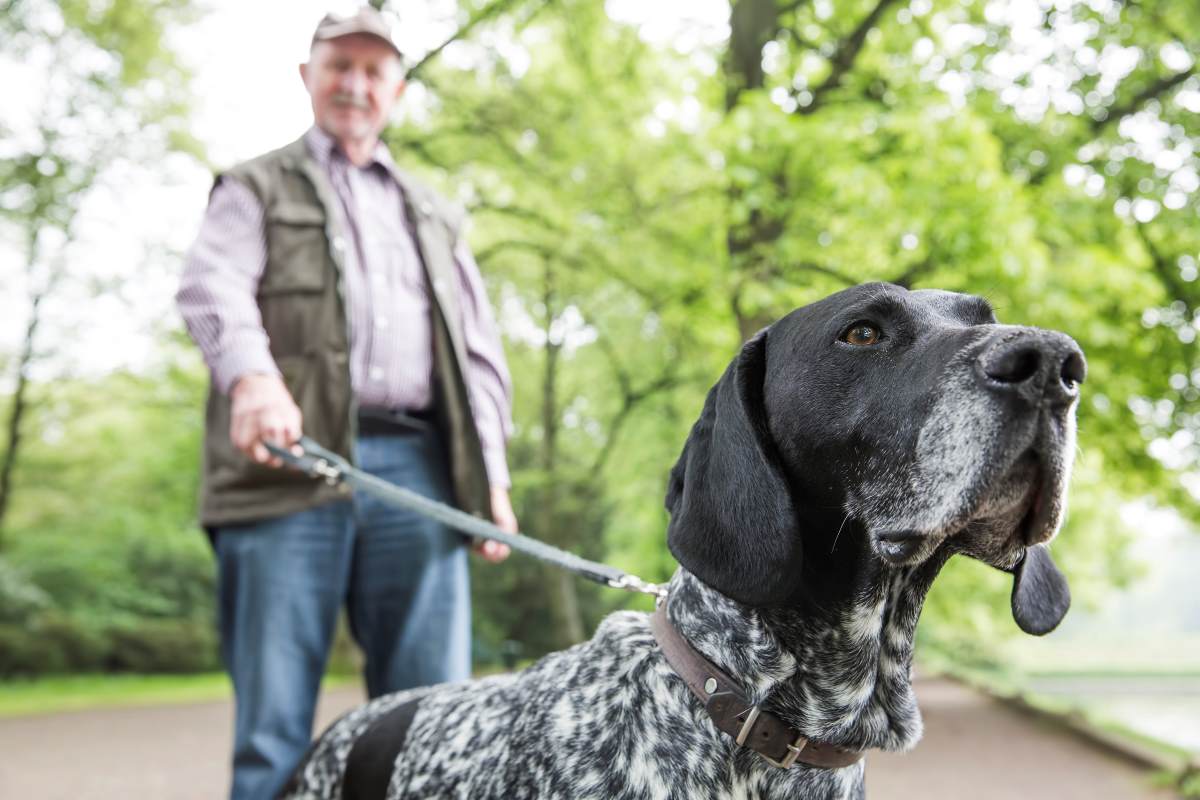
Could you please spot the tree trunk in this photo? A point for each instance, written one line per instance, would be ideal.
(572, 615)
(752, 23)
(16, 412)
(565, 591)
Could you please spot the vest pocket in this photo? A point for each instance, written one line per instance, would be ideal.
(297, 250)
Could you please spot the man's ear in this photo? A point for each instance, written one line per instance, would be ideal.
(304, 74)
(1040, 595)
(733, 524)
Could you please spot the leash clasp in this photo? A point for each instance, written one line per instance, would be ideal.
(323, 469)
(633, 583)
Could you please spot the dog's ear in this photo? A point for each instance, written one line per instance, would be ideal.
(1040, 595)
(733, 524)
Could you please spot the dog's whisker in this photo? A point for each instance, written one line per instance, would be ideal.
(839, 533)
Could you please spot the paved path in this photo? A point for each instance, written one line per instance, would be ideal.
(974, 748)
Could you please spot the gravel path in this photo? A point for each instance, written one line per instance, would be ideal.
(974, 748)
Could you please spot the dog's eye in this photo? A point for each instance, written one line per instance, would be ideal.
(862, 334)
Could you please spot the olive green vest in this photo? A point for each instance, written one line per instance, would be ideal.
(303, 313)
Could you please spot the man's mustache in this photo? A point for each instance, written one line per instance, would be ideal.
(348, 99)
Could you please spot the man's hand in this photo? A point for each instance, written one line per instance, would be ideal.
(505, 519)
(262, 411)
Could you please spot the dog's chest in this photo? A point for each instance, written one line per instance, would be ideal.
(607, 719)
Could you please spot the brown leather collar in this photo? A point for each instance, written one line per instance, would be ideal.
(733, 714)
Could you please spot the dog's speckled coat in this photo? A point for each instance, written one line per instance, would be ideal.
(827, 646)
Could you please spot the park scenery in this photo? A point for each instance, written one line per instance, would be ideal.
(649, 184)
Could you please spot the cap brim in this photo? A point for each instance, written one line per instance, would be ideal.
(337, 31)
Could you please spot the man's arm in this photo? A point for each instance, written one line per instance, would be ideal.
(216, 298)
(490, 388)
(486, 372)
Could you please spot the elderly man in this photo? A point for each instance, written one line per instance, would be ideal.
(330, 292)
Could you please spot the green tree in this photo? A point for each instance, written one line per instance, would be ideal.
(104, 90)
(642, 207)
(675, 208)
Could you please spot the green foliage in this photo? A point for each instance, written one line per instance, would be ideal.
(639, 210)
(117, 94)
(20, 599)
(51, 642)
(22, 653)
(632, 245)
(163, 645)
(104, 531)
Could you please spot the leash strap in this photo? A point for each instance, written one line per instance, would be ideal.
(318, 462)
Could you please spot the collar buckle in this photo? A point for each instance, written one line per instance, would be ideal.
(794, 749)
(793, 753)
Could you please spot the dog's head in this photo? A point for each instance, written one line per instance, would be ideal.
(911, 416)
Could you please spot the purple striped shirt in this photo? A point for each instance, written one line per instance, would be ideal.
(386, 299)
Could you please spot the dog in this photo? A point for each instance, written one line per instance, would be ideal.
(849, 450)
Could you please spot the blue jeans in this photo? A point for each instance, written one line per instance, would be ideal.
(282, 583)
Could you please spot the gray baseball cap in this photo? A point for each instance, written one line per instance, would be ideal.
(366, 20)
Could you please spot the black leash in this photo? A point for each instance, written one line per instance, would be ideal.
(333, 469)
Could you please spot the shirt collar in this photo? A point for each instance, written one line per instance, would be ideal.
(324, 148)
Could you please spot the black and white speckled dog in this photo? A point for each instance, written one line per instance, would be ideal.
(849, 450)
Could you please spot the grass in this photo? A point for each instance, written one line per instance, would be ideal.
(78, 692)
(49, 695)
(1114, 672)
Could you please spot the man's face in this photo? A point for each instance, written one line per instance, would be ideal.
(353, 82)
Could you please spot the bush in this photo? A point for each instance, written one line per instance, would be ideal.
(78, 648)
(24, 653)
(20, 599)
(161, 645)
(55, 643)
(51, 643)
(130, 602)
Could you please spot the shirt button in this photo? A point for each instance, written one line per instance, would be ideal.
(376, 373)
(439, 285)
(378, 278)
(381, 323)
(339, 244)
(426, 208)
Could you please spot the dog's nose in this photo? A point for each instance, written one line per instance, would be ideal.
(1039, 366)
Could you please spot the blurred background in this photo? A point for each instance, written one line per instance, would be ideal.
(650, 183)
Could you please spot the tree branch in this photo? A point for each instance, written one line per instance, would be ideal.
(1164, 269)
(630, 399)
(1114, 116)
(517, 212)
(484, 14)
(910, 275)
(1153, 91)
(788, 8)
(810, 266)
(491, 251)
(576, 262)
(844, 56)
(801, 42)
